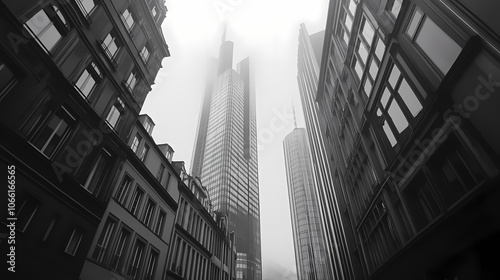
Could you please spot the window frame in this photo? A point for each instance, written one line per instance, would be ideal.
(81, 233)
(93, 73)
(117, 107)
(56, 22)
(39, 127)
(135, 207)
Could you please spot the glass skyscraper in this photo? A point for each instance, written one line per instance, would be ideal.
(225, 156)
(310, 255)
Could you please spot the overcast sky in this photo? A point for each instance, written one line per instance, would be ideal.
(267, 31)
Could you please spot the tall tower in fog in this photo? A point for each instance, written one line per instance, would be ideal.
(225, 156)
(310, 254)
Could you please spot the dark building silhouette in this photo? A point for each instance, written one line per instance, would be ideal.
(408, 103)
(73, 78)
(225, 156)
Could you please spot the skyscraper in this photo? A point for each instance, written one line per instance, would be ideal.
(310, 255)
(225, 156)
(309, 56)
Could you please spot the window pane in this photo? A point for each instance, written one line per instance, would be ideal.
(121, 246)
(415, 20)
(380, 49)
(348, 23)
(113, 116)
(85, 83)
(437, 45)
(368, 87)
(410, 99)
(6, 76)
(389, 134)
(396, 7)
(50, 137)
(373, 69)
(352, 7)
(362, 52)
(385, 97)
(26, 212)
(43, 28)
(368, 32)
(393, 78)
(74, 241)
(397, 116)
(359, 69)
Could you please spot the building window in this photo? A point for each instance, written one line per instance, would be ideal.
(131, 81)
(438, 46)
(399, 104)
(47, 26)
(145, 54)
(347, 12)
(115, 113)
(104, 241)
(135, 203)
(128, 19)
(161, 171)
(74, 241)
(122, 192)
(154, 12)
(148, 126)
(49, 229)
(88, 79)
(7, 77)
(135, 143)
(378, 235)
(26, 212)
(160, 222)
(151, 265)
(148, 213)
(110, 46)
(144, 153)
(120, 249)
(455, 171)
(394, 7)
(86, 6)
(51, 134)
(136, 259)
(97, 173)
(421, 202)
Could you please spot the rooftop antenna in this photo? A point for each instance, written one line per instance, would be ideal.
(224, 31)
(294, 117)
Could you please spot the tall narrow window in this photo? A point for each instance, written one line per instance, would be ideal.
(121, 193)
(394, 6)
(88, 79)
(148, 213)
(421, 202)
(115, 113)
(145, 54)
(97, 173)
(27, 210)
(161, 170)
(136, 259)
(6, 77)
(128, 19)
(151, 265)
(74, 241)
(131, 81)
(144, 153)
(48, 138)
(86, 6)
(104, 241)
(135, 143)
(437, 45)
(160, 222)
(135, 204)
(120, 249)
(110, 46)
